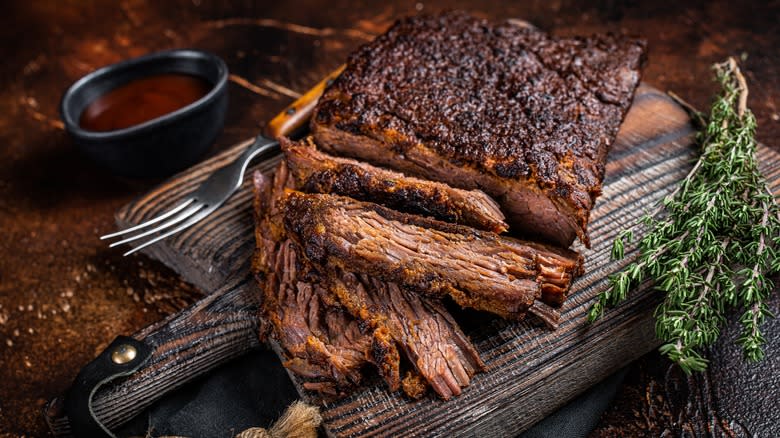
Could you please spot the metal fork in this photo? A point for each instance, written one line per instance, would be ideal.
(211, 194)
(224, 182)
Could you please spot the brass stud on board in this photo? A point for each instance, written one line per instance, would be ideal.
(123, 354)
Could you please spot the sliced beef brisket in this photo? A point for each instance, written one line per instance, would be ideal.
(477, 269)
(317, 172)
(319, 340)
(525, 117)
(425, 331)
(330, 326)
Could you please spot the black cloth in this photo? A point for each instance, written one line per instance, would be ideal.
(580, 416)
(251, 391)
(254, 390)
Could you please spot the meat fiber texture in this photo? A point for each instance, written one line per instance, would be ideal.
(523, 116)
(318, 339)
(330, 326)
(477, 269)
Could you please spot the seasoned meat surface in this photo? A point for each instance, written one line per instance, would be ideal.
(318, 172)
(526, 117)
(477, 269)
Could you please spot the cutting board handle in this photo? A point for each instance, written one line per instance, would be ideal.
(216, 329)
(294, 118)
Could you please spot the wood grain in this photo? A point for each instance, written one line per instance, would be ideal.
(531, 371)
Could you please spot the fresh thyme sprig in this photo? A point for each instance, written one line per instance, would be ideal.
(712, 243)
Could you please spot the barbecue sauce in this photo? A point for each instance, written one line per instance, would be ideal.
(142, 100)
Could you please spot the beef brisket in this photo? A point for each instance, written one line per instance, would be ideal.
(317, 172)
(525, 117)
(319, 340)
(330, 326)
(421, 327)
(478, 269)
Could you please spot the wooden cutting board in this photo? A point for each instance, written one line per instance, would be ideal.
(531, 371)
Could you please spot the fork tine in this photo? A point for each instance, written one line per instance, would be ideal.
(181, 227)
(152, 221)
(180, 217)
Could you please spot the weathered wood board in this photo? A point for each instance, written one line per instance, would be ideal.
(531, 371)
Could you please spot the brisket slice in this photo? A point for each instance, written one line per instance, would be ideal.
(525, 117)
(319, 340)
(317, 172)
(478, 269)
(297, 301)
(330, 326)
(432, 341)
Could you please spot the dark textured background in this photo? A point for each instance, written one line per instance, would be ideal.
(64, 296)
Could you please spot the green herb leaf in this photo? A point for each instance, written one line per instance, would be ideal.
(712, 243)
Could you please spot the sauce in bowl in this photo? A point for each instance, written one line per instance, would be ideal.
(142, 100)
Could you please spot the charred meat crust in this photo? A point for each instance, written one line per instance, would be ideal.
(477, 269)
(317, 172)
(530, 111)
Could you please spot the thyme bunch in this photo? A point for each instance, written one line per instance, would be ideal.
(712, 243)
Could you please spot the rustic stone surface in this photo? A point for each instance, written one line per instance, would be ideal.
(64, 296)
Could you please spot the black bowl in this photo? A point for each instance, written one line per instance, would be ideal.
(161, 146)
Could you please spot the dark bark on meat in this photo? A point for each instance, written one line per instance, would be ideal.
(477, 269)
(317, 172)
(525, 117)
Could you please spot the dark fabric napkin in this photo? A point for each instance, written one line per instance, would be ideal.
(254, 390)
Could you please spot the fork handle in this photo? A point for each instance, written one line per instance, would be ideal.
(294, 117)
